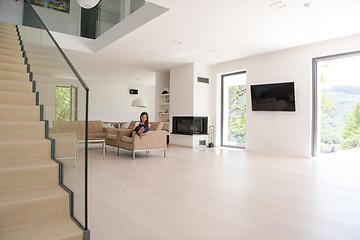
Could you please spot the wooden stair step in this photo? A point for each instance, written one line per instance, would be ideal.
(21, 130)
(15, 176)
(10, 41)
(8, 30)
(4, 31)
(13, 46)
(11, 52)
(19, 112)
(63, 229)
(21, 68)
(15, 86)
(24, 150)
(17, 98)
(33, 206)
(11, 59)
(16, 76)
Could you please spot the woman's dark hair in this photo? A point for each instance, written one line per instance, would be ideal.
(147, 118)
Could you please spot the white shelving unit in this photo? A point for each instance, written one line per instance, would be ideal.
(164, 110)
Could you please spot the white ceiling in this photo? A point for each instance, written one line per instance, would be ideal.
(213, 31)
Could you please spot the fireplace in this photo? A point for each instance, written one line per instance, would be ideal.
(189, 125)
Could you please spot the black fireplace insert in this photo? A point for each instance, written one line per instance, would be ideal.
(189, 125)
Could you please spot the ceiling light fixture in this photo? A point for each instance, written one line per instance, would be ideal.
(278, 4)
(309, 24)
(177, 42)
(139, 102)
(88, 3)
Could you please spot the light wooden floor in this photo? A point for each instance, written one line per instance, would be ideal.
(222, 194)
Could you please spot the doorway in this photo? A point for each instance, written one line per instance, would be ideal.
(336, 103)
(233, 110)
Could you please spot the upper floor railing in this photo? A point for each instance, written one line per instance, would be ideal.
(90, 23)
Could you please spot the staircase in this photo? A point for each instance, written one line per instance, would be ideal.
(33, 206)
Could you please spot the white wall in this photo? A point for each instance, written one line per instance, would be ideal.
(285, 133)
(202, 100)
(181, 85)
(112, 102)
(202, 93)
(11, 11)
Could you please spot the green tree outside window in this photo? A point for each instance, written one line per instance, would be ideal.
(66, 103)
(351, 131)
(237, 114)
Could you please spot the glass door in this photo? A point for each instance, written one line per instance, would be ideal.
(233, 105)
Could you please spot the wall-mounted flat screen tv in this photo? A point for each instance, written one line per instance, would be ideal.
(273, 97)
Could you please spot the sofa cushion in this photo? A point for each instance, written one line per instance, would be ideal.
(155, 126)
(95, 127)
(101, 135)
(108, 125)
(132, 124)
(126, 139)
(124, 125)
(111, 137)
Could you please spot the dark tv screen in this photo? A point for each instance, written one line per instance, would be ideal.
(273, 97)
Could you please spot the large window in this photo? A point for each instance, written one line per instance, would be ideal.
(66, 103)
(233, 130)
(337, 103)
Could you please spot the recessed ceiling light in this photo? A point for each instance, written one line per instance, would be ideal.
(307, 4)
(210, 51)
(309, 24)
(177, 42)
(278, 5)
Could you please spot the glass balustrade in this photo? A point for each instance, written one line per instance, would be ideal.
(77, 21)
(64, 97)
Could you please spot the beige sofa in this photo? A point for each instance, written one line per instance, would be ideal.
(155, 139)
(95, 129)
(68, 133)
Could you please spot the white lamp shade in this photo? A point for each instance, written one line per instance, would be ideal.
(88, 3)
(139, 102)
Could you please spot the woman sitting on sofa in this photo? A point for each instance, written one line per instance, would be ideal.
(143, 127)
